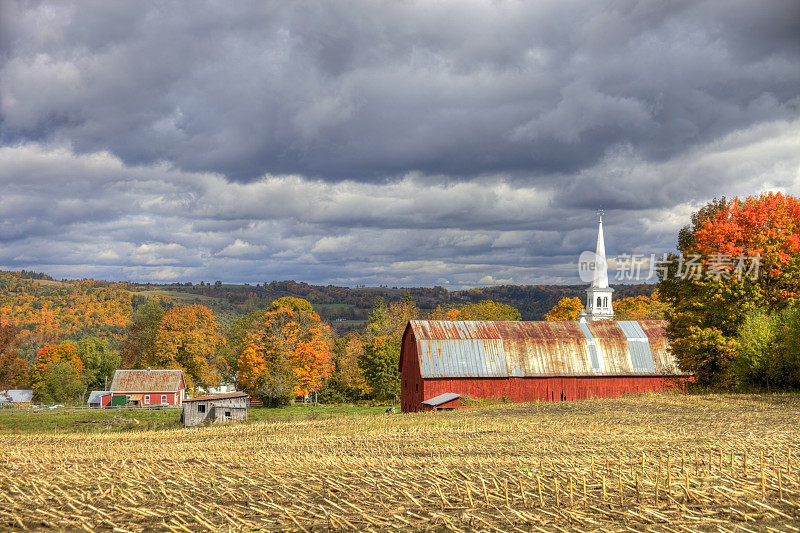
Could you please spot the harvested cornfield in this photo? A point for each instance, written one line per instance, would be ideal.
(661, 463)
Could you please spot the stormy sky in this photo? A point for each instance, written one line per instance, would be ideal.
(359, 142)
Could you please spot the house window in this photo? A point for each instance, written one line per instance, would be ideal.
(147, 399)
(227, 414)
(201, 408)
(163, 398)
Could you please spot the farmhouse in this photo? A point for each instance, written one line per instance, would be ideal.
(594, 356)
(143, 388)
(16, 397)
(217, 408)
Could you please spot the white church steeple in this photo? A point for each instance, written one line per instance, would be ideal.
(598, 294)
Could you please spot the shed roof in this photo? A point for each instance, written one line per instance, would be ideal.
(147, 380)
(16, 396)
(496, 349)
(442, 398)
(223, 396)
(95, 395)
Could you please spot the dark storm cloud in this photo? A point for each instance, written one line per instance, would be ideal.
(406, 143)
(365, 90)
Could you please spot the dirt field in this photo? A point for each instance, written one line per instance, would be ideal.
(662, 463)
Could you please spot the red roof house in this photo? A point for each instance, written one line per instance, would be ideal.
(148, 387)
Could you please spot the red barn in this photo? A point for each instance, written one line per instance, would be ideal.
(148, 387)
(529, 361)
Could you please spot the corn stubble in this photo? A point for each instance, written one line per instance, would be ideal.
(660, 463)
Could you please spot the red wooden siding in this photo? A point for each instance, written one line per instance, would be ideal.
(547, 388)
(415, 389)
(155, 397)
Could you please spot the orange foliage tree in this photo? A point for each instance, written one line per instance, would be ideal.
(287, 353)
(188, 338)
(709, 303)
(565, 309)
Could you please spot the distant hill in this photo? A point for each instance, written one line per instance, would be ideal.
(47, 310)
(348, 308)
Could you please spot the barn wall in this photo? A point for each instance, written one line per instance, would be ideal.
(412, 388)
(215, 409)
(547, 388)
(155, 397)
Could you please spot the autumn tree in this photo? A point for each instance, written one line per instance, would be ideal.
(390, 321)
(565, 309)
(382, 340)
(737, 257)
(380, 362)
(13, 369)
(59, 382)
(236, 342)
(641, 308)
(347, 382)
(188, 338)
(483, 310)
(99, 362)
(286, 353)
(768, 351)
(57, 374)
(139, 344)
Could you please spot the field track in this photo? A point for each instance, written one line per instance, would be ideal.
(661, 463)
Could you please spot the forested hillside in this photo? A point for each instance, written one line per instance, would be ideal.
(45, 310)
(348, 308)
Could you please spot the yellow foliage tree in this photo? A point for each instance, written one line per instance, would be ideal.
(188, 338)
(565, 309)
(483, 310)
(641, 308)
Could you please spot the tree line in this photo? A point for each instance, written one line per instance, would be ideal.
(277, 354)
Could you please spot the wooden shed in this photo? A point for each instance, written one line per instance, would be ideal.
(215, 409)
(530, 361)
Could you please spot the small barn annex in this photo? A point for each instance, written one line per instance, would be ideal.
(16, 397)
(99, 398)
(143, 388)
(529, 361)
(216, 408)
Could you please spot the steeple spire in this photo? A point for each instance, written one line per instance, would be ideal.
(600, 279)
(598, 294)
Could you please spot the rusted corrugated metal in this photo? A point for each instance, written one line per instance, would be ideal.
(147, 381)
(221, 396)
(656, 331)
(540, 349)
(613, 345)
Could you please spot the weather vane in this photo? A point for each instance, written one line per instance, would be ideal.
(600, 213)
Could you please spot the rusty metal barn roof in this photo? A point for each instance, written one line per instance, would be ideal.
(222, 396)
(527, 349)
(146, 380)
